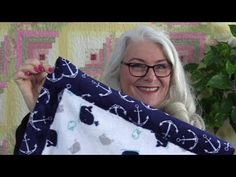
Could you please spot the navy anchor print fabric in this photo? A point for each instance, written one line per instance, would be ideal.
(76, 114)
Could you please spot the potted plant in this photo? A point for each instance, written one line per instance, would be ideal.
(214, 81)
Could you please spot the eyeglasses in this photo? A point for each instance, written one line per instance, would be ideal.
(140, 70)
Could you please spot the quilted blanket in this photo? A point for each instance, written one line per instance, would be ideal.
(76, 114)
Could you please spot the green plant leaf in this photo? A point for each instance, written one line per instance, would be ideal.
(200, 85)
(210, 121)
(232, 96)
(223, 49)
(214, 82)
(196, 75)
(226, 106)
(230, 68)
(209, 58)
(233, 29)
(208, 103)
(201, 66)
(219, 119)
(219, 81)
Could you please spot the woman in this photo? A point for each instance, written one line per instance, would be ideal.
(144, 65)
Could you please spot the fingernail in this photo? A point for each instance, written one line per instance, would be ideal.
(28, 73)
(51, 69)
(41, 68)
(36, 69)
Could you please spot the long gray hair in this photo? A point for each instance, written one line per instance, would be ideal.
(180, 101)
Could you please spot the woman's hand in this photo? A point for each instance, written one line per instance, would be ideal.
(30, 78)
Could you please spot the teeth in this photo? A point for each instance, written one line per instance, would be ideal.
(148, 89)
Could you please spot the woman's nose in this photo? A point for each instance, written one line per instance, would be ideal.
(150, 75)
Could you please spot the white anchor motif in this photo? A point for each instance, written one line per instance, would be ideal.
(124, 97)
(166, 114)
(148, 107)
(115, 107)
(194, 139)
(108, 91)
(68, 86)
(227, 146)
(43, 92)
(170, 123)
(28, 150)
(32, 121)
(139, 123)
(160, 142)
(86, 95)
(70, 75)
(53, 78)
(215, 149)
(32, 115)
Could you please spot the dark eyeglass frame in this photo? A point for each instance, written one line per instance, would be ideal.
(148, 67)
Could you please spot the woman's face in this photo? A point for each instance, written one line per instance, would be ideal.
(150, 89)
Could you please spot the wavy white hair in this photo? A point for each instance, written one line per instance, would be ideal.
(180, 101)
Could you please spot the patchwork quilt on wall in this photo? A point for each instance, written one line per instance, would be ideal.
(76, 114)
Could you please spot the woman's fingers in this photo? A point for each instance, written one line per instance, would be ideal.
(21, 75)
(32, 67)
(30, 78)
